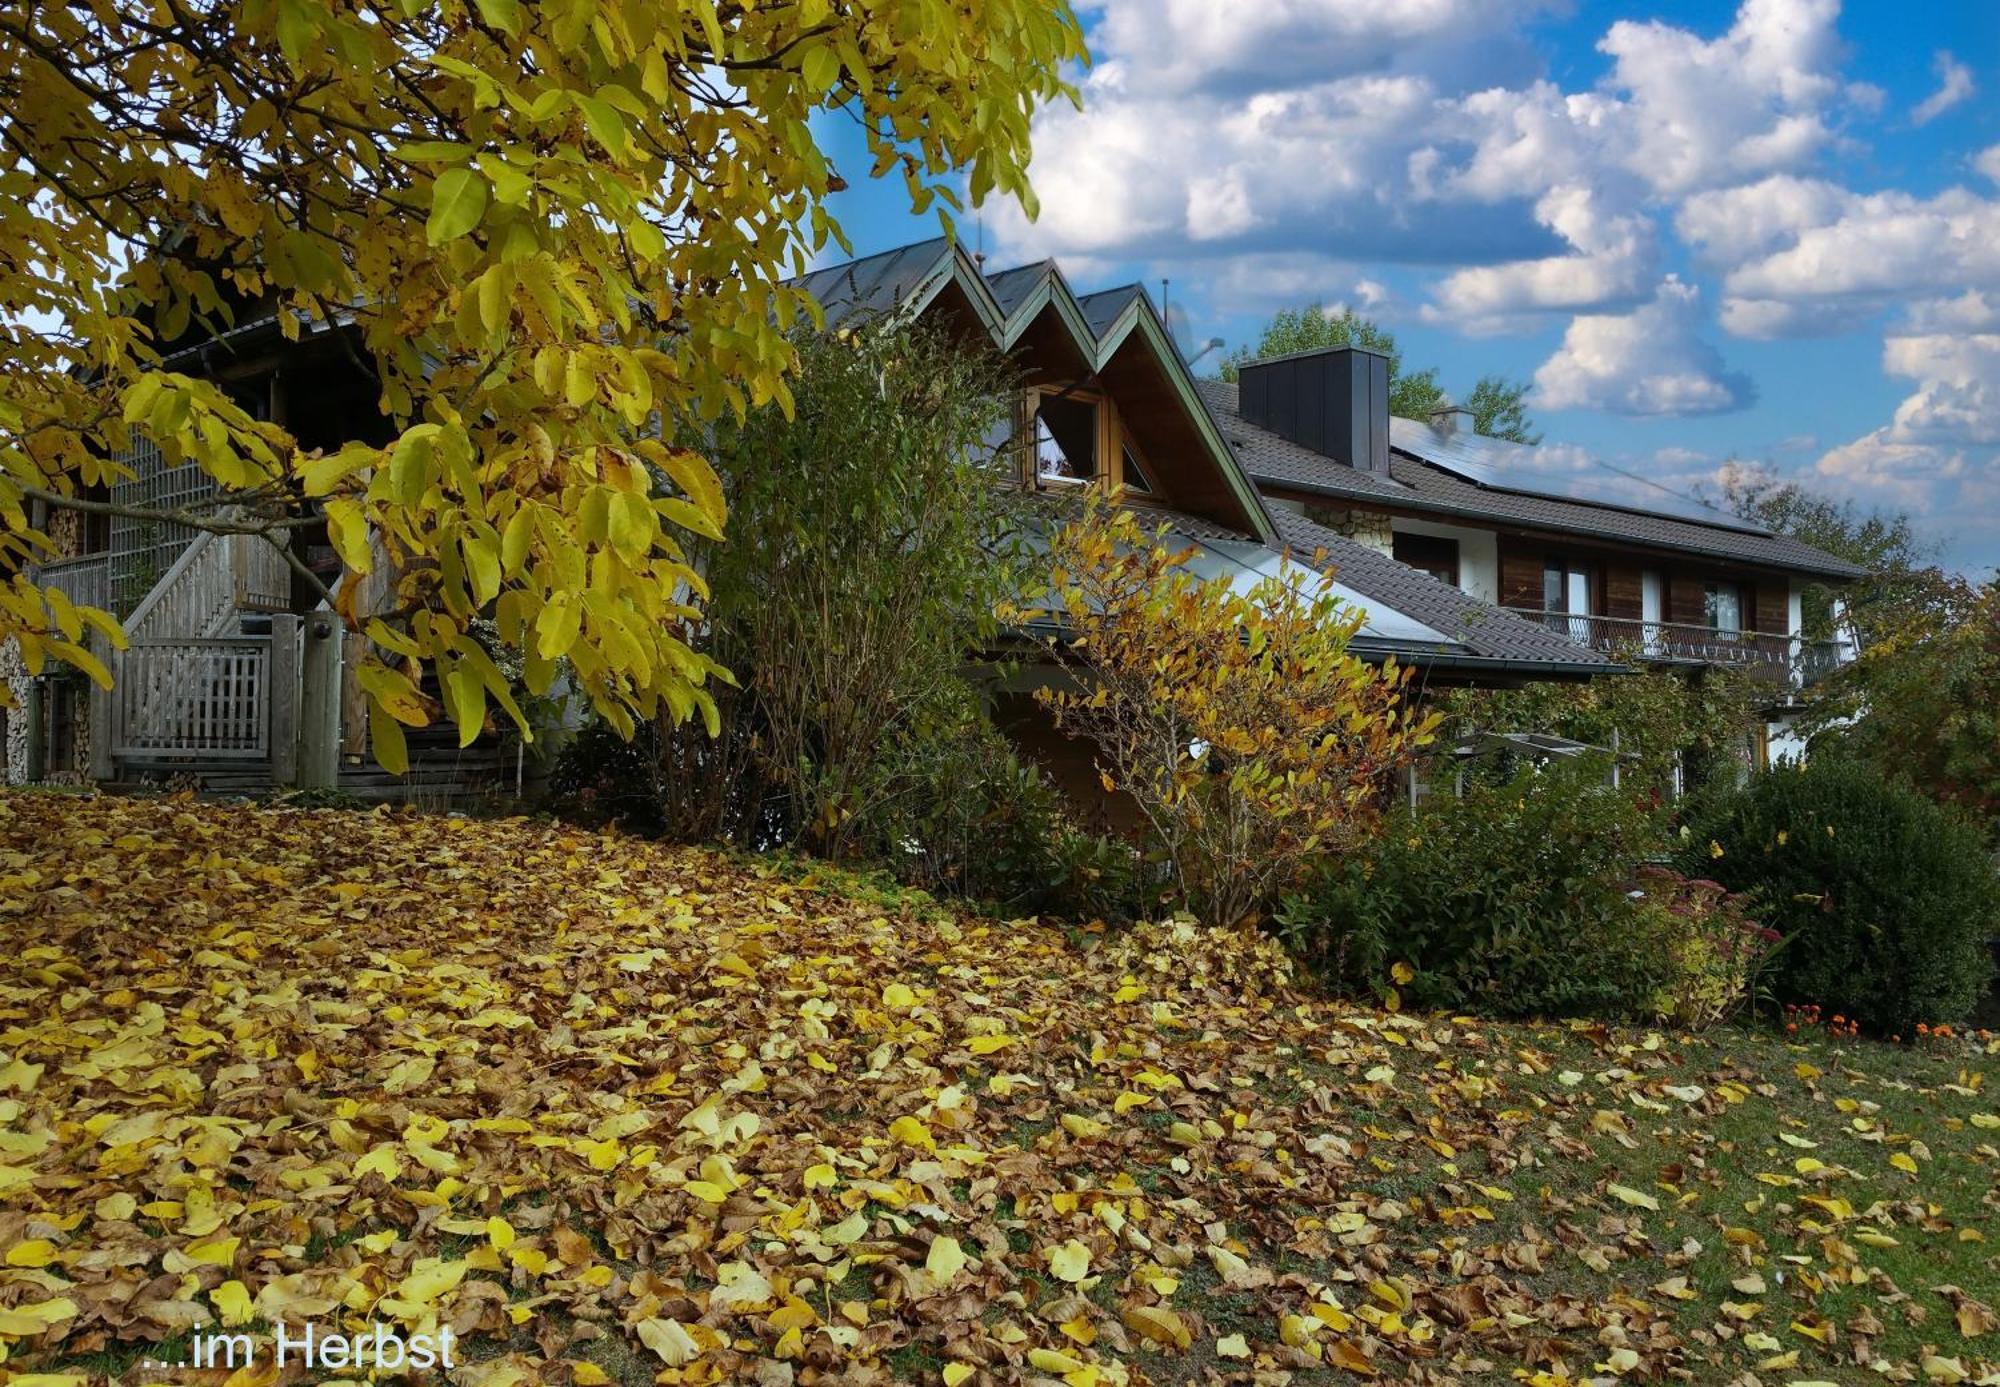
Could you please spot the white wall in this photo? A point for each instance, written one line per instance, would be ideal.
(1795, 610)
(1478, 554)
(1782, 741)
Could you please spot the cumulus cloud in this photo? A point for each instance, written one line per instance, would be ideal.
(1955, 84)
(1806, 258)
(1650, 361)
(1702, 112)
(1987, 161)
(1354, 129)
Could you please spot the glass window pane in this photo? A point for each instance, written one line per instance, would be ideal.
(1135, 475)
(1579, 593)
(1065, 439)
(1724, 603)
(1552, 587)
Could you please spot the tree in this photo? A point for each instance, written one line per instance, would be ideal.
(1498, 405)
(868, 553)
(1901, 584)
(1248, 736)
(549, 226)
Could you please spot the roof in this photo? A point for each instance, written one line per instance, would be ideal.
(875, 283)
(1412, 615)
(1417, 486)
(907, 280)
(1487, 632)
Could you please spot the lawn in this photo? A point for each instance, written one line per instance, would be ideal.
(615, 1112)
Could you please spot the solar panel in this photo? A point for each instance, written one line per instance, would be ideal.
(1500, 465)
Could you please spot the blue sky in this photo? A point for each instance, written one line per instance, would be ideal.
(1765, 232)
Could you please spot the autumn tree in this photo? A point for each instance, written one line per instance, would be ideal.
(1250, 738)
(1498, 405)
(544, 228)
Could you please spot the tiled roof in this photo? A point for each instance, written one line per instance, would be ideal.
(875, 283)
(1489, 632)
(1101, 309)
(1010, 287)
(1413, 485)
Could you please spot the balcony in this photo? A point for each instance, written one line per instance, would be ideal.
(1783, 658)
(86, 581)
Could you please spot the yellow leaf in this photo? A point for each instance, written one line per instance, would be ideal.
(667, 1338)
(1904, 1162)
(911, 1131)
(945, 1261)
(499, 1233)
(1053, 1361)
(898, 997)
(37, 1252)
(1069, 1262)
(232, 1300)
(956, 1373)
(988, 1044)
(1232, 1346)
(1159, 1324)
(1626, 1194)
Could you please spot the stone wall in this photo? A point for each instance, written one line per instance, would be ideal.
(1371, 528)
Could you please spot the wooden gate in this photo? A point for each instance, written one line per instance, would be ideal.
(196, 699)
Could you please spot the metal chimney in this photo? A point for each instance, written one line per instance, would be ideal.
(1333, 400)
(1449, 419)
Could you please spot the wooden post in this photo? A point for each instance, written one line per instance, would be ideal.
(284, 726)
(319, 703)
(104, 730)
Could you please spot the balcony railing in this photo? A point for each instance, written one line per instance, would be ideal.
(1796, 660)
(86, 582)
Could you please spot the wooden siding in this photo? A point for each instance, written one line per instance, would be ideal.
(1521, 577)
(1624, 591)
(1687, 600)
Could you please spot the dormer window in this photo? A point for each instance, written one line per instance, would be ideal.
(1065, 439)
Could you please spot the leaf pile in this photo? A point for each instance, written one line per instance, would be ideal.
(619, 1112)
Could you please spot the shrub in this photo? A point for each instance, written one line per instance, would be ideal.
(1247, 736)
(966, 816)
(1713, 950)
(1886, 900)
(1510, 902)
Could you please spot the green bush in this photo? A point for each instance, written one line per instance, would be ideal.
(1886, 900)
(962, 814)
(1511, 902)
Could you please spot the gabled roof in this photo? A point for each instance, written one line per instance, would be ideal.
(1417, 486)
(1008, 302)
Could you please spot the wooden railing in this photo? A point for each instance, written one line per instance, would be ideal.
(86, 581)
(214, 578)
(1798, 660)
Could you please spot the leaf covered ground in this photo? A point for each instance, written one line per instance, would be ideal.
(619, 1112)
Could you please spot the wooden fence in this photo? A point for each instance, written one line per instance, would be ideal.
(202, 700)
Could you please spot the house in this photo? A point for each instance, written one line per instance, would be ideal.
(231, 660)
(1605, 559)
(1106, 399)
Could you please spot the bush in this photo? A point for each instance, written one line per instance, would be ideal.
(1247, 736)
(1886, 900)
(1510, 902)
(1714, 951)
(964, 815)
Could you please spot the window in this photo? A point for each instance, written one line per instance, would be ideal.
(1136, 479)
(1430, 553)
(1065, 440)
(1722, 604)
(1566, 596)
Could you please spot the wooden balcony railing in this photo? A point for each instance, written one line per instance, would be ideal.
(1793, 658)
(86, 582)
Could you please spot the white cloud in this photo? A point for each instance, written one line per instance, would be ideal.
(1987, 161)
(1955, 84)
(1650, 361)
(1703, 112)
(1826, 260)
(1614, 262)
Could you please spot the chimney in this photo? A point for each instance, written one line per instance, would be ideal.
(1449, 419)
(1333, 400)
